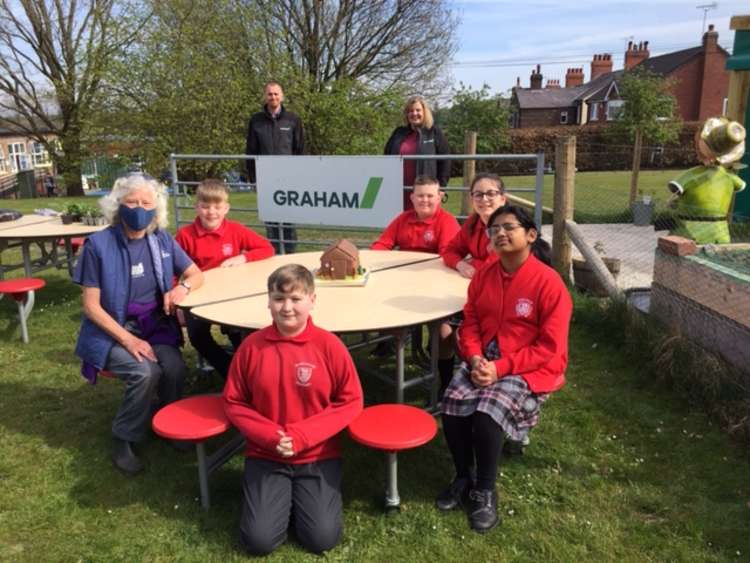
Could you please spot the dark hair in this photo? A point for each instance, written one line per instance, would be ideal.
(488, 176)
(291, 277)
(540, 247)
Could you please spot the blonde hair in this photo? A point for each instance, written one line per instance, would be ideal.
(290, 277)
(427, 120)
(110, 203)
(212, 190)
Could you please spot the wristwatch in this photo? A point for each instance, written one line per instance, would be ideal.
(186, 285)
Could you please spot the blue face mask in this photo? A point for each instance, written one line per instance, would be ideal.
(136, 218)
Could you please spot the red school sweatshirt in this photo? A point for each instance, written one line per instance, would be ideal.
(209, 249)
(471, 240)
(408, 232)
(528, 312)
(305, 385)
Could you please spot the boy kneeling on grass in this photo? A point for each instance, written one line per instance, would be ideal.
(292, 387)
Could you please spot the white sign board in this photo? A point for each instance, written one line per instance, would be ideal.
(351, 191)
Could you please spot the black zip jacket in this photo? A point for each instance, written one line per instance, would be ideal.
(266, 135)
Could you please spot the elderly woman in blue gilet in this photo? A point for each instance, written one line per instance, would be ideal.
(127, 272)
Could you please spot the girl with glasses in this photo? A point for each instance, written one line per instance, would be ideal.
(514, 340)
(469, 250)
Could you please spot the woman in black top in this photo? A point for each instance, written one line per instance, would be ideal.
(419, 135)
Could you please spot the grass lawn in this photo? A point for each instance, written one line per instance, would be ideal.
(619, 469)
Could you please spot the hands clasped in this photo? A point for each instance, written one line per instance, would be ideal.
(285, 447)
(483, 371)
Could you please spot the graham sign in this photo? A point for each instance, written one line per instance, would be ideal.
(351, 191)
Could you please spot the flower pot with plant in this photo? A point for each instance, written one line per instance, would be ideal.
(643, 210)
(583, 273)
(72, 213)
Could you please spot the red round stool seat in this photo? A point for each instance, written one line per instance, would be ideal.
(18, 288)
(194, 418)
(393, 427)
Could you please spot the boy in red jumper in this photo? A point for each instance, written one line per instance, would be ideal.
(425, 228)
(213, 241)
(515, 342)
(292, 388)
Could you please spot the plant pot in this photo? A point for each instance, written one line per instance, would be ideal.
(66, 218)
(643, 212)
(100, 221)
(585, 279)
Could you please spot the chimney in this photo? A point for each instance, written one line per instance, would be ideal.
(711, 39)
(574, 77)
(635, 54)
(601, 64)
(553, 83)
(518, 81)
(536, 78)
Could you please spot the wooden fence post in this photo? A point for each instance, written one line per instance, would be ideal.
(564, 204)
(470, 168)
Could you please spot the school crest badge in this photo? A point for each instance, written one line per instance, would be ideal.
(304, 372)
(227, 249)
(429, 236)
(524, 307)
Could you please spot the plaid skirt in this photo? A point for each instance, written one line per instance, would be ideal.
(509, 401)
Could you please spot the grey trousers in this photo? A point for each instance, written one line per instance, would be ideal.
(273, 492)
(148, 385)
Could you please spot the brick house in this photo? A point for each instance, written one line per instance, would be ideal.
(19, 153)
(700, 86)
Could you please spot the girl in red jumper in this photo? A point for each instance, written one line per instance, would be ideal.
(515, 342)
(469, 250)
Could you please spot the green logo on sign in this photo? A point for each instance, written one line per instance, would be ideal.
(371, 192)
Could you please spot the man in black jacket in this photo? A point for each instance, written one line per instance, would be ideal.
(275, 131)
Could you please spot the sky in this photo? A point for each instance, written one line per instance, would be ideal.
(500, 40)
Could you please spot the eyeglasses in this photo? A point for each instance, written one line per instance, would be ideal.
(507, 227)
(489, 194)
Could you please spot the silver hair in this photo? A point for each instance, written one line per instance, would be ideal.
(110, 203)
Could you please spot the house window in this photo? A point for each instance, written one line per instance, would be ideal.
(614, 107)
(563, 117)
(40, 155)
(18, 158)
(594, 112)
(3, 167)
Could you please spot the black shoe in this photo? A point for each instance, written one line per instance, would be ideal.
(123, 457)
(483, 510)
(454, 494)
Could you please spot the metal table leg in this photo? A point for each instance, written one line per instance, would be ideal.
(392, 500)
(434, 356)
(400, 345)
(200, 448)
(26, 252)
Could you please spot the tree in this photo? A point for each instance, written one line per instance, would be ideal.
(380, 43)
(53, 54)
(184, 87)
(647, 115)
(477, 110)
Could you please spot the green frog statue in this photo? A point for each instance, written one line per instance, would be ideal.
(704, 193)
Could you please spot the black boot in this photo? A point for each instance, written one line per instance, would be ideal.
(445, 369)
(123, 457)
(483, 509)
(454, 495)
